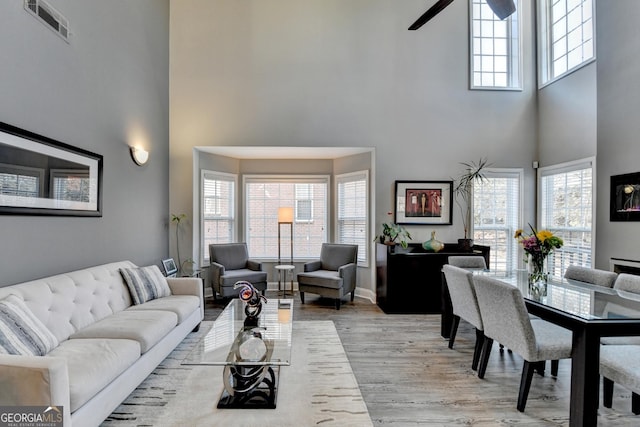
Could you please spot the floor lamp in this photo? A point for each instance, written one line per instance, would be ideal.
(285, 216)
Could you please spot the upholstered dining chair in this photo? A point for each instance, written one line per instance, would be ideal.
(333, 275)
(506, 320)
(620, 364)
(468, 261)
(628, 283)
(590, 275)
(230, 263)
(465, 306)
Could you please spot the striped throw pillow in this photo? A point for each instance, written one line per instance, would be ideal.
(21, 332)
(145, 283)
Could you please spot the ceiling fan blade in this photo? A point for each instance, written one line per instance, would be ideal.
(502, 8)
(433, 11)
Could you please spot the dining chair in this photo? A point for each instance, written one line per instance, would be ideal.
(506, 320)
(620, 364)
(468, 261)
(627, 282)
(593, 276)
(465, 306)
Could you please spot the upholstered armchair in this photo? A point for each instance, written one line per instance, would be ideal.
(333, 275)
(229, 263)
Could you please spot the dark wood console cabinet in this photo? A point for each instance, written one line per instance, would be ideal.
(409, 280)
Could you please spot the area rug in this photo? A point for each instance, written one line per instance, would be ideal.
(318, 388)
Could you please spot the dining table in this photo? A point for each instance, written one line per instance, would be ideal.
(589, 311)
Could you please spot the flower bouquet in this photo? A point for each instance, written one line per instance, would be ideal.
(537, 246)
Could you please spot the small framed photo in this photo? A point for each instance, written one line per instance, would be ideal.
(424, 202)
(169, 266)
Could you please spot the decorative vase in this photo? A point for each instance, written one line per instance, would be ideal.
(433, 244)
(538, 277)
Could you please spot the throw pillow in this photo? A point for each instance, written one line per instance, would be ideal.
(21, 332)
(145, 283)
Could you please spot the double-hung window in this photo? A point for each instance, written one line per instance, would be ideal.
(217, 210)
(566, 209)
(495, 61)
(497, 215)
(21, 181)
(308, 195)
(352, 219)
(566, 37)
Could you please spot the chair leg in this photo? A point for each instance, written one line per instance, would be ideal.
(525, 384)
(635, 403)
(338, 303)
(484, 360)
(353, 295)
(214, 293)
(302, 297)
(477, 351)
(607, 392)
(554, 367)
(539, 367)
(454, 330)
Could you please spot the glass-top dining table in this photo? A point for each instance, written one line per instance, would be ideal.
(589, 311)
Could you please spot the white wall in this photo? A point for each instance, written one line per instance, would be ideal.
(106, 89)
(618, 125)
(343, 73)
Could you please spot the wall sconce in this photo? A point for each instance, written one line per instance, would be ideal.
(139, 155)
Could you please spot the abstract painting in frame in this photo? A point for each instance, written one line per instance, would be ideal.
(424, 202)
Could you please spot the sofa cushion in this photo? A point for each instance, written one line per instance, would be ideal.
(181, 305)
(324, 278)
(232, 276)
(145, 326)
(145, 283)
(21, 333)
(93, 364)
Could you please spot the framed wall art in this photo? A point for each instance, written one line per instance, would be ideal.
(41, 176)
(625, 197)
(424, 202)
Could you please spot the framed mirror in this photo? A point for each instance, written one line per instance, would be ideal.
(41, 176)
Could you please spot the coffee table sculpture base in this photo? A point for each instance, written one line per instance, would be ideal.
(249, 387)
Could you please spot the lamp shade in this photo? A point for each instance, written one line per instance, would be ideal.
(139, 155)
(285, 215)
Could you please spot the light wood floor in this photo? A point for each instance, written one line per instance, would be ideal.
(409, 377)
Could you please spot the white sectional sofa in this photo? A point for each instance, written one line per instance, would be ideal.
(106, 345)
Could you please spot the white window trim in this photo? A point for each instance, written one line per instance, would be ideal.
(520, 54)
(234, 231)
(345, 177)
(568, 167)
(326, 179)
(544, 50)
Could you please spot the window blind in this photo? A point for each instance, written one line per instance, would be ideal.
(566, 209)
(352, 218)
(497, 215)
(218, 210)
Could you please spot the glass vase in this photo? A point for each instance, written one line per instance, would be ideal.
(538, 277)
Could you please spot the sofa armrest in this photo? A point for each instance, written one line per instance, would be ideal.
(312, 266)
(187, 286)
(348, 274)
(35, 380)
(254, 265)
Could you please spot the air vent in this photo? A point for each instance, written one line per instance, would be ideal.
(50, 17)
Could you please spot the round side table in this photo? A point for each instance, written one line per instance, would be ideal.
(283, 269)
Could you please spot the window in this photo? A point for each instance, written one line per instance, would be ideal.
(21, 181)
(352, 219)
(495, 48)
(566, 209)
(566, 30)
(70, 185)
(497, 215)
(217, 210)
(265, 194)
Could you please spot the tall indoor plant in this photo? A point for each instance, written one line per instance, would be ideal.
(177, 219)
(463, 190)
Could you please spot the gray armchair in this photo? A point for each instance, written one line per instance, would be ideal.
(229, 263)
(333, 275)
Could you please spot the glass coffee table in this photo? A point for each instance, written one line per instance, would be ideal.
(251, 351)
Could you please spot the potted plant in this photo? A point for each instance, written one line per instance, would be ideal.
(392, 232)
(463, 191)
(177, 219)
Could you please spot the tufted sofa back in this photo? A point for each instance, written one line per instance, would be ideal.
(68, 302)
